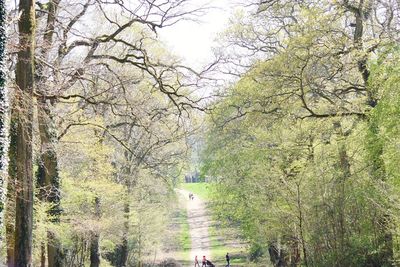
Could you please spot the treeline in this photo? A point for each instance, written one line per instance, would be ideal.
(304, 147)
(98, 124)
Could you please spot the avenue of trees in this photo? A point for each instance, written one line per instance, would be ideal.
(304, 147)
(98, 118)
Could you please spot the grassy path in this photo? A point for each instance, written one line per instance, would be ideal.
(209, 237)
(199, 223)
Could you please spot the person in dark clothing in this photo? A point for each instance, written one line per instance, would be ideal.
(204, 262)
(228, 260)
(210, 264)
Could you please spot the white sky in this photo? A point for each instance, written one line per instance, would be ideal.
(193, 41)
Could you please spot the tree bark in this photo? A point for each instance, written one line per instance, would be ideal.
(3, 111)
(43, 255)
(11, 194)
(24, 117)
(10, 202)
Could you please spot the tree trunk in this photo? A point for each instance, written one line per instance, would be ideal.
(301, 226)
(124, 249)
(24, 116)
(11, 195)
(94, 242)
(10, 204)
(48, 177)
(124, 246)
(378, 172)
(43, 255)
(48, 180)
(340, 197)
(3, 111)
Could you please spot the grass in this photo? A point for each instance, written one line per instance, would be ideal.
(203, 190)
(220, 248)
(184, 235)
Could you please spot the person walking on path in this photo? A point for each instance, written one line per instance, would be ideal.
(228, 260)
(204, 262)
(196, 262)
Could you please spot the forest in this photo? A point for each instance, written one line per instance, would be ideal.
(291, 128)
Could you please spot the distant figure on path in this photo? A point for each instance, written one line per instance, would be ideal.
(190, 196)
(204, 262)
(196, 262)
(227, 260)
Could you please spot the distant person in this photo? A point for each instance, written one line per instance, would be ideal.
(190, 196)
(228, 259)
(196, 262)
(204, 262)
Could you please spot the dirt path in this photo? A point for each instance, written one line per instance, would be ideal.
(199, 222)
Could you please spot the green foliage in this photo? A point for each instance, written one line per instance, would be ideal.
(286, 149)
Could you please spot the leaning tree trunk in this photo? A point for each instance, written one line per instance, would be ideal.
(3, 110)
(23, 112)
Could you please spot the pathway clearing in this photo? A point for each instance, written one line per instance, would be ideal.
(199, 222)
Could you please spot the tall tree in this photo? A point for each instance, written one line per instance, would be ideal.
(22, 145)
(47, 174)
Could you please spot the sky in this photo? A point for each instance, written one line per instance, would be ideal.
(193, 41)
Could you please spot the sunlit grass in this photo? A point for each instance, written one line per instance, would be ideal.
(219, 248)
(203, 190)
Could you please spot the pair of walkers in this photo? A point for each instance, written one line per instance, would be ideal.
(196, 262)
(206, 262)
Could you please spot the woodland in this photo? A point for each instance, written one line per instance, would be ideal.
(295, 123)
